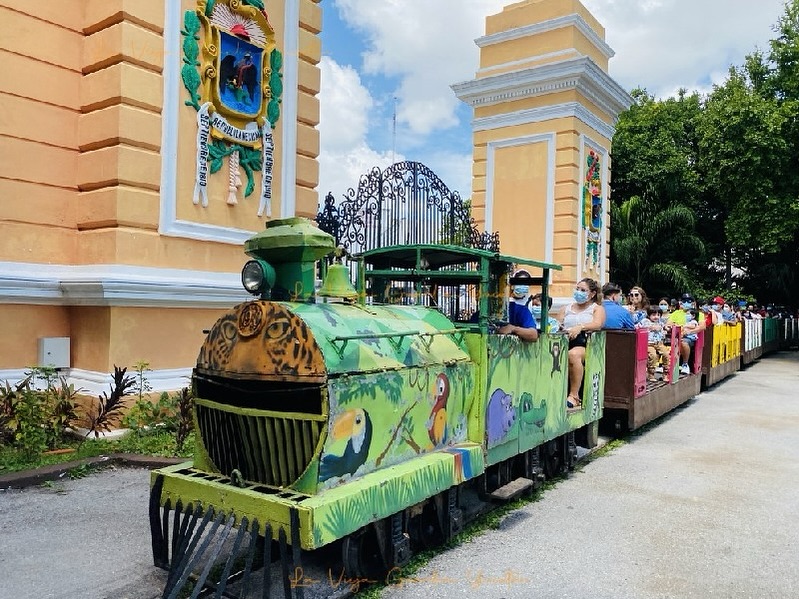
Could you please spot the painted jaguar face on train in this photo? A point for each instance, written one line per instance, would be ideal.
(261, 338)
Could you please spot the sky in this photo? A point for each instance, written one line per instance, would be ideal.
(387, 67)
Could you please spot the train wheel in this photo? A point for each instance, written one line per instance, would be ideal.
(362, 555)
(592, 434)
(552, 458)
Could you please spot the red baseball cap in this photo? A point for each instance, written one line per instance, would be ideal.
(718, 300)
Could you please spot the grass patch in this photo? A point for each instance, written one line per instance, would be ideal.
(155, 443)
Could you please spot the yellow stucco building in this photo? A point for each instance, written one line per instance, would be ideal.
(142, 142)
(544, 115)
(104, 257)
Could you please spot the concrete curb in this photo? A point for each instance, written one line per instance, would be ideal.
(29, 478)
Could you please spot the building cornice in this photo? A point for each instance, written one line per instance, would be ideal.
(579, 74)
(120, 285)
(572, 20)
(545, 113)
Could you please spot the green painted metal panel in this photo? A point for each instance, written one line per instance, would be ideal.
(337, 512)
(384, 418)
(524, 382)
(344, 509)
(356, 338)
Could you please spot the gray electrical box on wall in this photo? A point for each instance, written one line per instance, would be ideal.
(54, 352)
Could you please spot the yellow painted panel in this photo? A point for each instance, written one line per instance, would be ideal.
(66, 13)
(307, 109)
(123, 42)
(25, 242)
(23, 76)
(309, 77)
(118, 206)
(122, 84)
(33, 203)
(38, 163)
(99, 14)
(28, 119)
(567, 174)
(42, 41)
(23, 325)
(523, 13)
(307, 140)
(307, 202)
(519, 198)
(310, 47)
(113, 125)
(119, 165)
(90, 344)
(307, 171)
(139, 334)
(147, 248)
(525, 47)
(566, 190)
(311, 16)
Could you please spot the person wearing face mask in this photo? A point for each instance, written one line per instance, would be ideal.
(583, 315)
(520, 320)
(714, 316)
(663, 306)
(616, 316)
(727, 314)
(688, 337)
(535, 307)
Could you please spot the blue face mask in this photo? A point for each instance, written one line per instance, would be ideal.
(687, 305)
(536, 310)
(726, 311)
(716, 307)
(580, 296)
(664, 308)
(521, 290)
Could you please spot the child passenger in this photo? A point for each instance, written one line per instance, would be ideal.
(535, 307)
(657, 350)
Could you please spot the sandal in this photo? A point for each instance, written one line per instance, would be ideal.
(573, 403)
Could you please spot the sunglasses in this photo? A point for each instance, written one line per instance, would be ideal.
(634, 294)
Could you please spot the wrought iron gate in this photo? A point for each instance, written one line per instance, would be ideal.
(405, 203)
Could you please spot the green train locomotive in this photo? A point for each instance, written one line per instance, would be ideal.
(324, 417)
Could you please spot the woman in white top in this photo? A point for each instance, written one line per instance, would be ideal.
(584, 314)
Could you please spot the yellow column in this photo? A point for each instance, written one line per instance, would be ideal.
(544, 115)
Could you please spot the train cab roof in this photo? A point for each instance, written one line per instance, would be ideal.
(457, 263)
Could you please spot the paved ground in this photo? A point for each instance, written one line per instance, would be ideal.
(702, 505)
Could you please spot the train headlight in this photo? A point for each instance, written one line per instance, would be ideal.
(257, 277)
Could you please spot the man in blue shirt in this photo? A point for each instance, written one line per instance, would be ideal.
(521, 321)
(616, 316)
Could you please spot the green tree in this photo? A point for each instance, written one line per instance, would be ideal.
(741, 151)
(644, 240)
(654, 150)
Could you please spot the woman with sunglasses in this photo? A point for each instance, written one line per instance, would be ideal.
(637, 304)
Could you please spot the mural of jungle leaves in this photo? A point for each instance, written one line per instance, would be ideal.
(369, 385)
(345, 515)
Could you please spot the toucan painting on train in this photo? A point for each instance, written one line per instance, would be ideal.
(357, 426)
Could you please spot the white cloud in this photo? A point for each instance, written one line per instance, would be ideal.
(424, 46)
(666, 45)
(427, 44)
(344, 115)
(344, 107)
